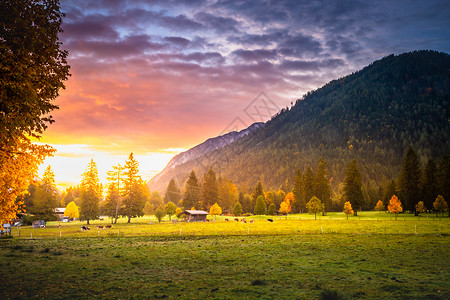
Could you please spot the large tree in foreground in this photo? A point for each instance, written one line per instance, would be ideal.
(32, 71)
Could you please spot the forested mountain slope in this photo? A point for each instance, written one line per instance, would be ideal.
(372, 115)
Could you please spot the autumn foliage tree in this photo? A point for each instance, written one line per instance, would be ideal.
(420, 207)
(215, 210)
(160, 213)
(395, 206)
(379, 206)
(71, 210)
(286, 205)
(440, 205)
(32, 71)
(348, 210)
(170, 209)
(237, 209)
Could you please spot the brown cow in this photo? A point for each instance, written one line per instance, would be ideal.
(226, 220)
(108, 226)
(100, 226)
(236, 219)
(252, 221)
(244, 220)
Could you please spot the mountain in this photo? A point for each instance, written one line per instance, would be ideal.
(372, 115)
(160, 181)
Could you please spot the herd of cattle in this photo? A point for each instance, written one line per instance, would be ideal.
(243, 220)
(84, 228)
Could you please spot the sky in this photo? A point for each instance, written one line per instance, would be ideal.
(158, 77)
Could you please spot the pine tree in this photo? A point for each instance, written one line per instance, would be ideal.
(172, 192)
(300, 204)
(308, 184)
(409, 180)
(136, 192)
(391, 190)
(352, 186)
(430, 186)
(91, 193)
(116, 189)
(322, 184)
(210, 189)
(192, 193)
(444, 177)
(271, 210)
(258, 191)
(45, 197)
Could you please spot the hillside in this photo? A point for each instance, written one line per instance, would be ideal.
(196, 154)
(372, 115)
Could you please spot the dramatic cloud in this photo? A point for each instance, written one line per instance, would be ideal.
(153, 75)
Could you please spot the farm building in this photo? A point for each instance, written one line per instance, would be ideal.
(60, 212)
(194, 215)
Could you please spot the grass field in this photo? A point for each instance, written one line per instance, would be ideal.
(372, 258)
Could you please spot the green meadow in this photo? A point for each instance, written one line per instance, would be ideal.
(369, 257)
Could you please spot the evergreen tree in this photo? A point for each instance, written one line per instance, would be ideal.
(45, 197)
(116, 189)
(172, 192)
(210, 189)
(391, 190)
(111, 206)
(228, 194)
(258, 191)
(444, 177)
(322, 184)
(430, 186)
(192, 193)
(409, 180)
(91, 193)
(260, 206)
(352, 186)
(135, 190)
(308, 185)
(271, 210)
(300, 204)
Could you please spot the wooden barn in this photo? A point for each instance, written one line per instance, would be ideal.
(194, 215)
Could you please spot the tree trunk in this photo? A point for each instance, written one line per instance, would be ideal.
(129, 219)
(315, 216)
(112, 220)
(115, 221)
(355, 213)
(88, 222)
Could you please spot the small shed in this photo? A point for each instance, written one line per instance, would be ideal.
(194, 215)
(60, 212)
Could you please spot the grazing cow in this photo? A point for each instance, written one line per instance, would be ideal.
(236, 219)
(59, 226)
(42, 226)
(108, 226)
(244, 220)
(269, 220)
(206, 220)
(100, 226)
(252, 221)
(83, 228)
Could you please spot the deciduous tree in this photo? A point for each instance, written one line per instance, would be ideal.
(348, 210)
(314, 206)
(379, 206)
(420, 207)
(149, 208)
(170, 209)
(440, 205)
(271, 210)
(215, 210)
(160, 213)
(71, 210)
(32, 71)
(395, 206)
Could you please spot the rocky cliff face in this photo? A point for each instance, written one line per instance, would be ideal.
(159, 181)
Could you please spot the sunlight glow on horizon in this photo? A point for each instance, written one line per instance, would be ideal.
(70, 161)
